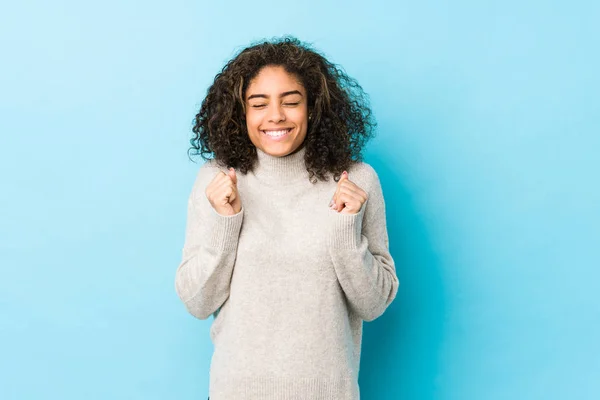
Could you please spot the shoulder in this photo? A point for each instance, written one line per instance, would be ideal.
(210, 166)
(365, 176)
(209, 169)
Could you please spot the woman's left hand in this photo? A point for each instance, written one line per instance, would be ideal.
(348, 198)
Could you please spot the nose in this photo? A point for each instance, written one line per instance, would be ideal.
(276, 114)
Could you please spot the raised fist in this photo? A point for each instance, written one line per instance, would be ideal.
(222, 193)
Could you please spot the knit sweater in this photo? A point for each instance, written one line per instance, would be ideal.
(288, 280)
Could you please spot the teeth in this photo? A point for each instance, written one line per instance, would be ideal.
(276, 133)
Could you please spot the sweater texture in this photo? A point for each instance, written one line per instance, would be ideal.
(288, 281)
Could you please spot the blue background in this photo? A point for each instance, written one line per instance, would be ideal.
(487, 149)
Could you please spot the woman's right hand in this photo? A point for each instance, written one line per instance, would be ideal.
(222, 193)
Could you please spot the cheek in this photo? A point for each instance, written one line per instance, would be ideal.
(300, 116)
(253, 121)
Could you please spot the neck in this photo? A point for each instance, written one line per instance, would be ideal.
(286, 170)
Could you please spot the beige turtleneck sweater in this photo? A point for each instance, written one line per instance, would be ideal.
(288, 280)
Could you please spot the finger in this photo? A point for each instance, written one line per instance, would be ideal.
(217, 178)
(346, 184)
(357, 193)
(214, 185)
(232, 196)
(226, 176)
(344, 193)
(351, 187)
(344, 200)
(226, 193)
(227, 179)
(343, 178)
(224, 190)
(231, 173)
(352, 203)
(351, 194)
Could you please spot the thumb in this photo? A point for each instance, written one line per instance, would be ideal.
(232, 175)
(344, 176)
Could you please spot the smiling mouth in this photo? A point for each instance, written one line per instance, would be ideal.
(277, 133)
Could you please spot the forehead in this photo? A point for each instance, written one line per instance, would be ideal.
(274, 79)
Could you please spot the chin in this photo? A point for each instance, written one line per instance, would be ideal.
(278, 151)
(275, 148)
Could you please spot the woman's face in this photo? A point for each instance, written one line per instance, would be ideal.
(276, 111)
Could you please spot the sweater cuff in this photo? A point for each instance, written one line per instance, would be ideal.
(346, 230)
(225, 230)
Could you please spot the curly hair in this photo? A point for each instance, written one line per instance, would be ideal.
(341, 119)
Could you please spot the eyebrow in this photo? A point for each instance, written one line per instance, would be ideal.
(264, 96)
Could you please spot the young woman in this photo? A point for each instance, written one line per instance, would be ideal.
(286, 241)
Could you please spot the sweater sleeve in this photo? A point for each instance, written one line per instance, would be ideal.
(203, 277)
(359, 249)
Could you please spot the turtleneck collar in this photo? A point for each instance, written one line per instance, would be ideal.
(284, 170)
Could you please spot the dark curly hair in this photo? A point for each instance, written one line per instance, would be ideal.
(341, 119)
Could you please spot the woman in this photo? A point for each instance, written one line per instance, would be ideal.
(288, 260)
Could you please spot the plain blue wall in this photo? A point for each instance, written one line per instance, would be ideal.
(487, 148)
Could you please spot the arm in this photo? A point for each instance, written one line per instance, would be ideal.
(359, 249)
(204, 274)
